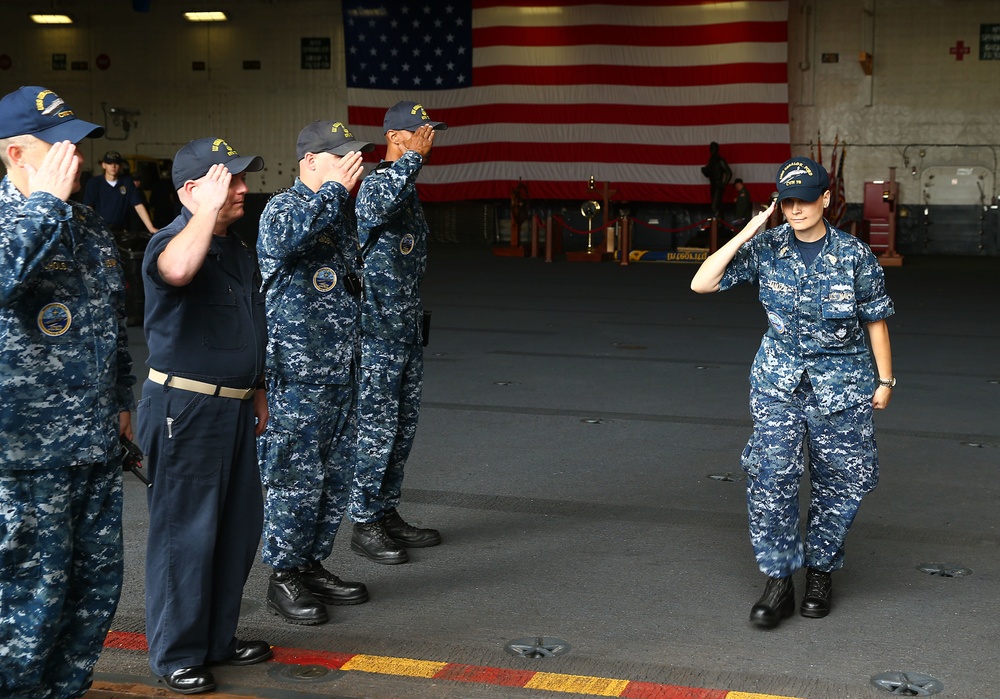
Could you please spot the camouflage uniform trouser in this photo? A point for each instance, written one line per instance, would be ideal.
(307, 461)
(388, 406)
(60, 576)
(843, 466)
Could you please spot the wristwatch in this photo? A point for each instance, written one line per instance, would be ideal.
(888, 383)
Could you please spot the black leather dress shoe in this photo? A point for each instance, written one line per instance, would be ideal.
(371, 541)
(408, 535)
(250, 653)
(777, 603)
(288, 597)
(329, 589)
(816, 603)
(190, 680)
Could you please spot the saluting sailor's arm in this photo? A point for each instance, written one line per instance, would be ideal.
(706, 280)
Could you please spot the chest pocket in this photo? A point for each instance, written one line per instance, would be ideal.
(838, 299)
(222, 322)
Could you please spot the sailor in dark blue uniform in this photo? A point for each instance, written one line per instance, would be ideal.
(65, 377)
(812, 382)
(202, 408)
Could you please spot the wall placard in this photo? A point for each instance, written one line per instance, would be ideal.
(316, 53)
(989, 42)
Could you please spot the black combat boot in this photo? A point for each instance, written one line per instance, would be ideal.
(816, 603)
(288, 597)
(329, 589)
(408, 535)
(371, 541)
(777, 603)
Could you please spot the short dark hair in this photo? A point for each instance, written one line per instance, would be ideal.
(738, 181)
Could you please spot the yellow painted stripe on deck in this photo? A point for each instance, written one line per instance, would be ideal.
(748, 695)
(393, 666)
(577, 684)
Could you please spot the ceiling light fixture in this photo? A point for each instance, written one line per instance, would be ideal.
(205, 16)
(51, 19)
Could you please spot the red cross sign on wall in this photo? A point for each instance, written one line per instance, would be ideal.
(959, 50)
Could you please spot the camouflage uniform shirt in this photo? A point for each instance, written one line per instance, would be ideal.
(65, 368)
(305, 250)
(816, 316)
(388, 206)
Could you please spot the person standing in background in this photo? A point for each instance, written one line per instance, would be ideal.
(115, 194)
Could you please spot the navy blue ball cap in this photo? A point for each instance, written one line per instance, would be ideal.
(802, 178)
(408, 116)
(329, 137)
(39, 112)
(194, 160)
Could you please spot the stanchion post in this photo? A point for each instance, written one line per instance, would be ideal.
(548, 237)
(534, 236)
(625, 239)
(713, 235)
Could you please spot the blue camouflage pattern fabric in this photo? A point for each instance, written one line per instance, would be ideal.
(65, 377)
(816, 317)
(388, 209)
(843, 466)
(812, 381)
(307, 245)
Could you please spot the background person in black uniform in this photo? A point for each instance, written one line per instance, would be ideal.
(115, 194)
(718, 173)
(200, 413)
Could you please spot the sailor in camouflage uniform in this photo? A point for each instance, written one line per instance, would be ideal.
(308, 252)
(65, 376)
(812, 383)
(393, 234)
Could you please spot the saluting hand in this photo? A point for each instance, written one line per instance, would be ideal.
(758, 222)
(347, 170)
(212, 190)
(421, 141)
(58, 173)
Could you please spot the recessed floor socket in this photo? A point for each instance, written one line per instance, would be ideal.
(944, 570)
(907, 684)
(303, 673)
(538, 647)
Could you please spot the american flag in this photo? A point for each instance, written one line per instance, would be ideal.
(554, 93)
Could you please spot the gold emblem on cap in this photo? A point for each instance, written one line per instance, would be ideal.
(56, 103)
(347, 134)
(218, 143)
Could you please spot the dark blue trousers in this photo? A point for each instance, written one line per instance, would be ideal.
(205, 516)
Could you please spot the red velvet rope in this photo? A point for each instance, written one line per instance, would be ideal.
(700, 224)
(600, 229)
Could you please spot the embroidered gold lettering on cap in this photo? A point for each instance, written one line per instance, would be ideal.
(800, 168)
(218, 143)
